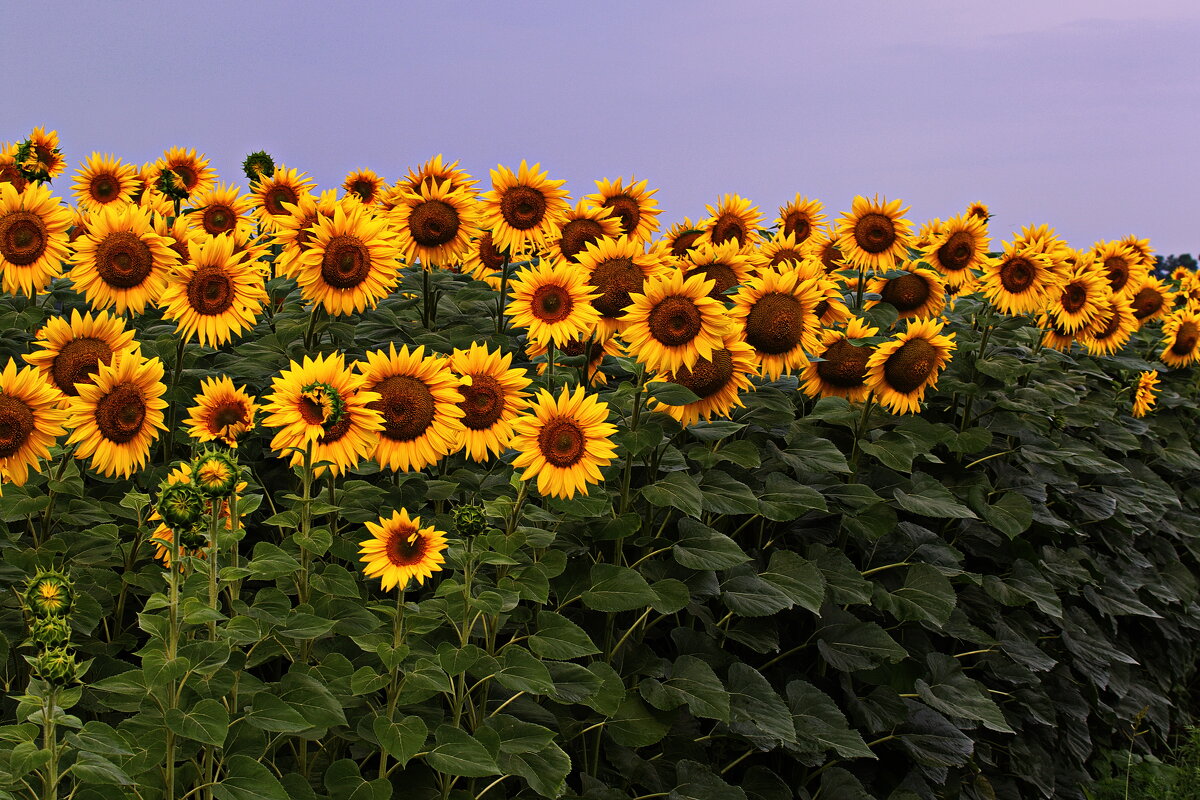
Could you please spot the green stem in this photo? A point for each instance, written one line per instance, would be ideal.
(172, 653)
(64, 457)
(394, 684)
(860, 430)
(214, 522)
(627, 477)
(426, 300)
(306, 498)
(169, 442)
(50, 742)
(550, 366)
(312, 329)
(500, 300)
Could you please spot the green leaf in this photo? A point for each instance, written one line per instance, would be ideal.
(807, 453)
(608, 698)
(893, 451)
(670, 595)
(672, 394)
(617, 588)
(692, 682)
(98, 737)
(843, 581)
(950, 691)
(207, 721)
(930, 498)
(246, 779)
(633, 725)
(401, 740)
(518, 736)
(703, 548)
(91, 767)
(677, 490)
(801, 580)
(783, 499)
(314, 702)
(545, 770)
(559, 638)
(458, 753)
(714, 430)
(269, 713)
(756, 710)
(926, 595)
(849, 646)
(699, 782)
(723, 494)
(821, 723)
(1012, 514)
(521, 671)
(751, 596)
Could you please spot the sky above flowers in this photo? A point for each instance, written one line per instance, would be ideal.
(1082, 114)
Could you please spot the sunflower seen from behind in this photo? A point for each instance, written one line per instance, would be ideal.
(418, 399)
(216, 294)
(717, 381)
(434, 224)
(842, 370)
(350, 264)
(104, 179)
(874, 234)
(122, 263)
(115, 418)
(222, 412)
(30, 421)
(493, 394)
(553, 303)
(632, 205)
(903, 368)
(777, 312)
(522, 207)
(401, 551)
(1181, 338)
(33, 238)
(674, 322)
(563, 441)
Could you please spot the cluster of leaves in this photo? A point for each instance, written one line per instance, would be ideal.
(800, 601)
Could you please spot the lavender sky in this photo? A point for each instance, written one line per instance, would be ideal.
(1082, 114)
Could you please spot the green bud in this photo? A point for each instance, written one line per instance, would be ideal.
(49, 594)
(56, 666)
(47, 632)
(469, 520)
(192, 538)
(180, 505)
(215, 474)
(258, 165)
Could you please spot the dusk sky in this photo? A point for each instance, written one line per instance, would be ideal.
(1082, 114)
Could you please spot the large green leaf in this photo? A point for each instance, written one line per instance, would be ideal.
(701, 547)
(756, 710)
(854, 645)
(678, 490)
(557, 637)
(617, 588)
(926, 595)
(207, 721)
(459, 753)
(246, 779)
(692, 682)
(401, 740)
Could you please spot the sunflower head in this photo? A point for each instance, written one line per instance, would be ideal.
(258, 165)
(39, 157)
(50, 593)
(48, 632)
(400, 550)
(180, 505)
(215, 474)
(899, 371)
(1145, 393)
(170, 184)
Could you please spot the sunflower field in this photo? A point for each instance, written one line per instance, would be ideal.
(450, 488)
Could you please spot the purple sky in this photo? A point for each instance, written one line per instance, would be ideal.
(1080, 114)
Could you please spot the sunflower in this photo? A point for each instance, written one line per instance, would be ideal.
(293, 230)
(1151, 301)
(563, 442)
(718, 382)
(583, 225)
(1076, 304)
(1123, 265)
(522, 208)
(930, 229)
(1145, 393)
(595, 348)
(196, 505)
(842, 370)
(553, 302)
(33, 238)
(831, 308)
(800, 218)
(351, 262)
(979, 211)
(900, 370)
(321, 403)
(192, 170)
(40, 157)
(115, 418)
(726, 265)
(9, 172)
(365, 186)
(1111, 328)
(103, 180)
(70, 352)
(1180, 274)
(732, 219)
(401, 550)
(271, 193)
(434, 224)
(147, 196)
(777, 311)
(917, 293)
(216, 294)
(483, 260)
(1142, 248)
(617, 268)
(958, 249)
(222, 413)
(121, 263)
(1043, 239)
(30, 421)
(635, 208)
(674, 323)
(874, 234)
(221, 209)
(437, 171)
(1181, 338)
(683, 236)
(780, 249)
(493, 394)
(1021, 281)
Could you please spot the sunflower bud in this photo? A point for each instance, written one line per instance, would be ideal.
(258, 165)
(170, 185)
(180, 505)
(56, 666)
(48, 632)
(469, 520)
(215, 474)
(49, 594)
(192, 539)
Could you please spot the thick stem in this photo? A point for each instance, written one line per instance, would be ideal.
(214, 522)
(312, 329)
(550, 366)
(169, 442)
(426, 299)
(860, 430)
(172, 652)
(49, 742)
(500, 300)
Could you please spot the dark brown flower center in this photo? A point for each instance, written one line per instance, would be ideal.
(277, 195)
(627, 210)
(874, 233)
(708, 376)
(483, 402)
(10, 174)
(77, 361)
(523, 207)
(1118, 272)
(685, 242)
(1017, 274)
(798, 224)
(489, 256)
(675, 321)
(561, 442)
(1111, 327)
(722, 276)
(831, 257)
(578, 234)
(907, 369)
(123, 260)
(907, 293)
(1185, 339)
(956, 253)
(615, 279)
(347, 262)
(337, 430)
(364, 188)
(551, 303)
(785, 254)
(404, 549)
(1074, 297)
(775, 324)
(188, 177)
(407, 407)
(121, 413)
(218, 219)
(845, 366)
(210, 291)
(1147, 302)
(104, 187)
(228, 414)
(16, 425)
(727, 227)
(433, 223)
(23, 237)
(576, 346)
